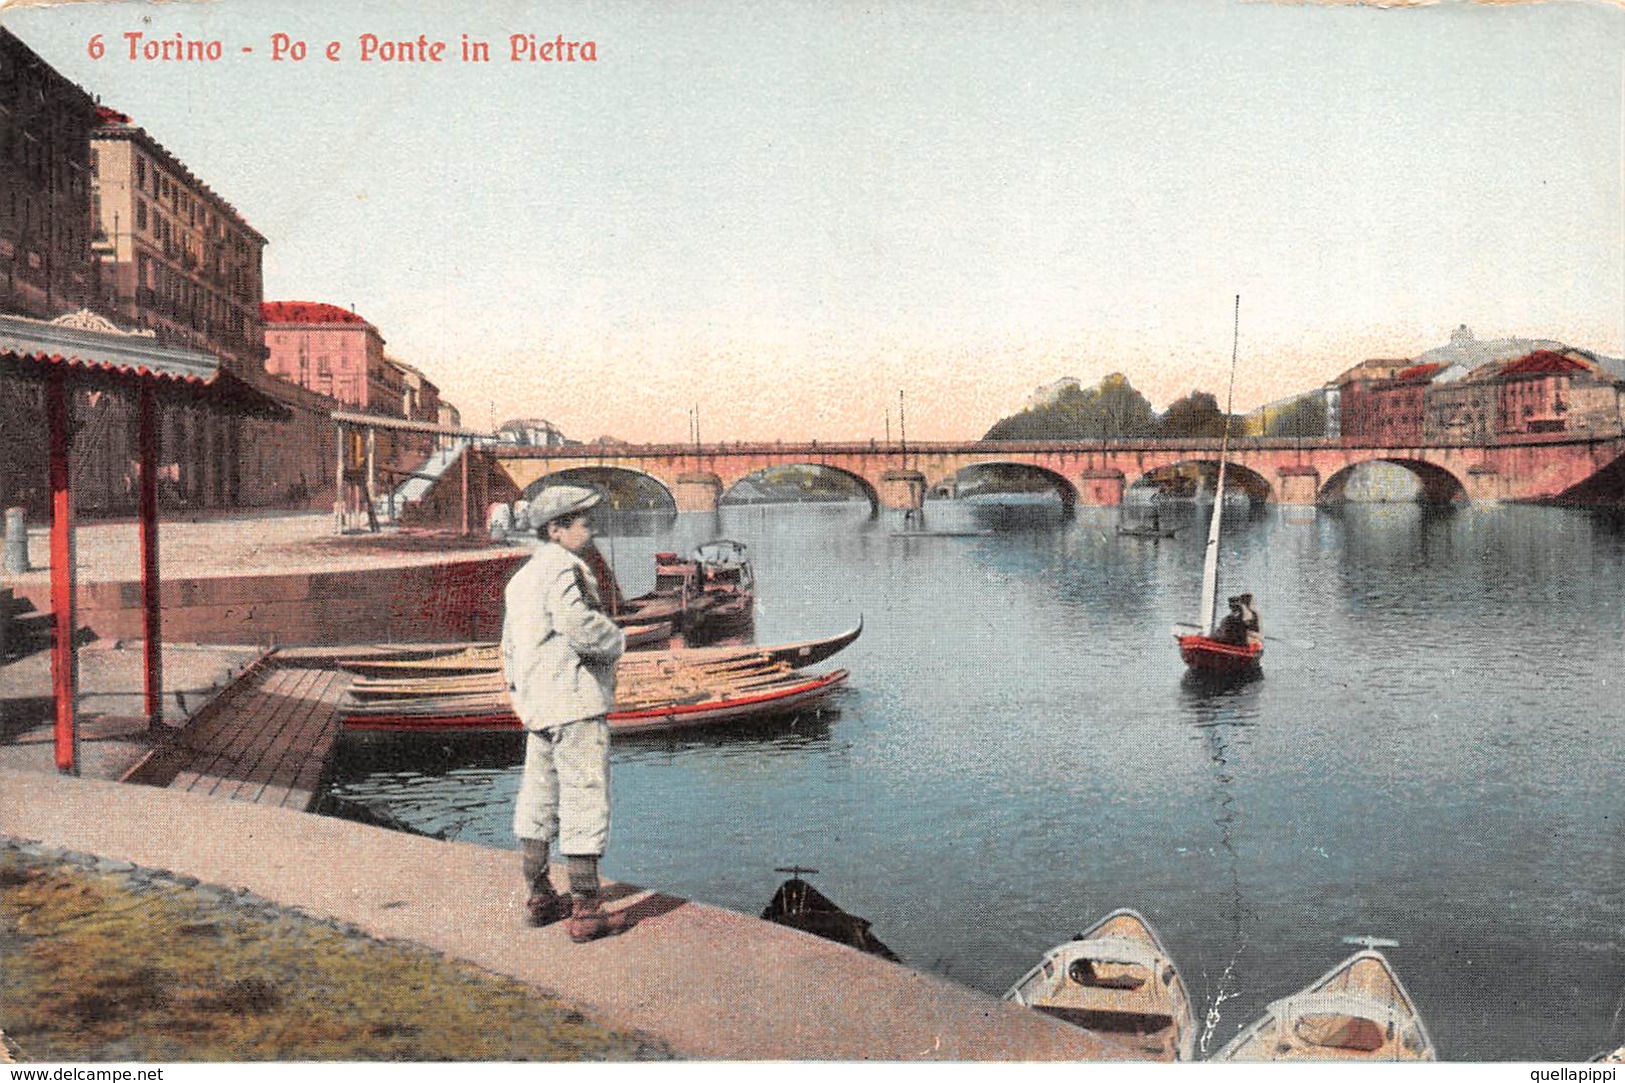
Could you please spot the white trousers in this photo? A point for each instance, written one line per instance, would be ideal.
(565, 788)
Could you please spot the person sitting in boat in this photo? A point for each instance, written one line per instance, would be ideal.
(1255, 633)
(1233, 628)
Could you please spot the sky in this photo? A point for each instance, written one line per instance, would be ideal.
(785, 214)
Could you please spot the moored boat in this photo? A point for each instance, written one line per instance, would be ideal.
(446, 660)
(1358, 1010)
(799, 905)
(706, 597)
(655, 634)
(1115, 979)
(694, 699)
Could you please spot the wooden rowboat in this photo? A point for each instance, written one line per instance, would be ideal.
(485, 713)
(654, 634)
(1115, 979)
(389, 660)
(676, 676)
(1358, 1010)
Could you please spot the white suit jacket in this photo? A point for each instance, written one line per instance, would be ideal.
(559, 649)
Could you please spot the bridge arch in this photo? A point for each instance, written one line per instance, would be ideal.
(1193, 473)
(864, 487)
(952, 485)
(1438, 485)
(627, 486)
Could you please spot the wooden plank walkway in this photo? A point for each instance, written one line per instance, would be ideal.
(266, 739)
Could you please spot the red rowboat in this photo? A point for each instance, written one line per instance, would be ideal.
(1204, 654)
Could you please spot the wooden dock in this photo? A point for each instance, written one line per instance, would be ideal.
(265, 738)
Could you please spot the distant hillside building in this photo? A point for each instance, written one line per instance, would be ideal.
(530, 432)
(1548, 391)
(1477, 391)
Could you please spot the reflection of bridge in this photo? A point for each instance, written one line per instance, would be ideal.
(1284, 470)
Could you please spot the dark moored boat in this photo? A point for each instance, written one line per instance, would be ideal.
(705, 598)
(799, 905)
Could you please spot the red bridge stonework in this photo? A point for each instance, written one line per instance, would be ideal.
(1548, 467)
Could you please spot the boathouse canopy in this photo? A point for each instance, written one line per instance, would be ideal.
(83, 350)
(95, 353)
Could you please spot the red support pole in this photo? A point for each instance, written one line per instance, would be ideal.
(153, 639)
(64, 661)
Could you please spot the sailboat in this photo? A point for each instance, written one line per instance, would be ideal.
(1203, 653)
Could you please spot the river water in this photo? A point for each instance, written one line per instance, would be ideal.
(1432, 756)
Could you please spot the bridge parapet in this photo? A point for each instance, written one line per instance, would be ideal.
(1289, 469)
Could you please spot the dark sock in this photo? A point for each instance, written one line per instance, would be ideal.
(533, 861)
(584, 875)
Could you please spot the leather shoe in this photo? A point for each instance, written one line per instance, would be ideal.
(547, 907)
(588, 921)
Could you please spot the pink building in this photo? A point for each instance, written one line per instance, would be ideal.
(332, 351)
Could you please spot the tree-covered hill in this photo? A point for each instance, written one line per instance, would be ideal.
(1112, 411)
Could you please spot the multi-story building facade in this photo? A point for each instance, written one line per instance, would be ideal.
(175, 256)
(1543, 391)
(1388, 412)
(95, 213)
(333, 351)
(1548, 392)
(420, 397)
(46, 266)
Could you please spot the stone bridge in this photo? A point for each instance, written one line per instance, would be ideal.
(1547, 467)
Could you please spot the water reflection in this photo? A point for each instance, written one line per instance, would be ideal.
(800, 732)
(1221, 713)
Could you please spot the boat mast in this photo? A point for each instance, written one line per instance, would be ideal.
(1210, 560)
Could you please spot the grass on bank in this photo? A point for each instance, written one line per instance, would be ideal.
(98, 966)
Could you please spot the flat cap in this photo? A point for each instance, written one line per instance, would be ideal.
(558, 501)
